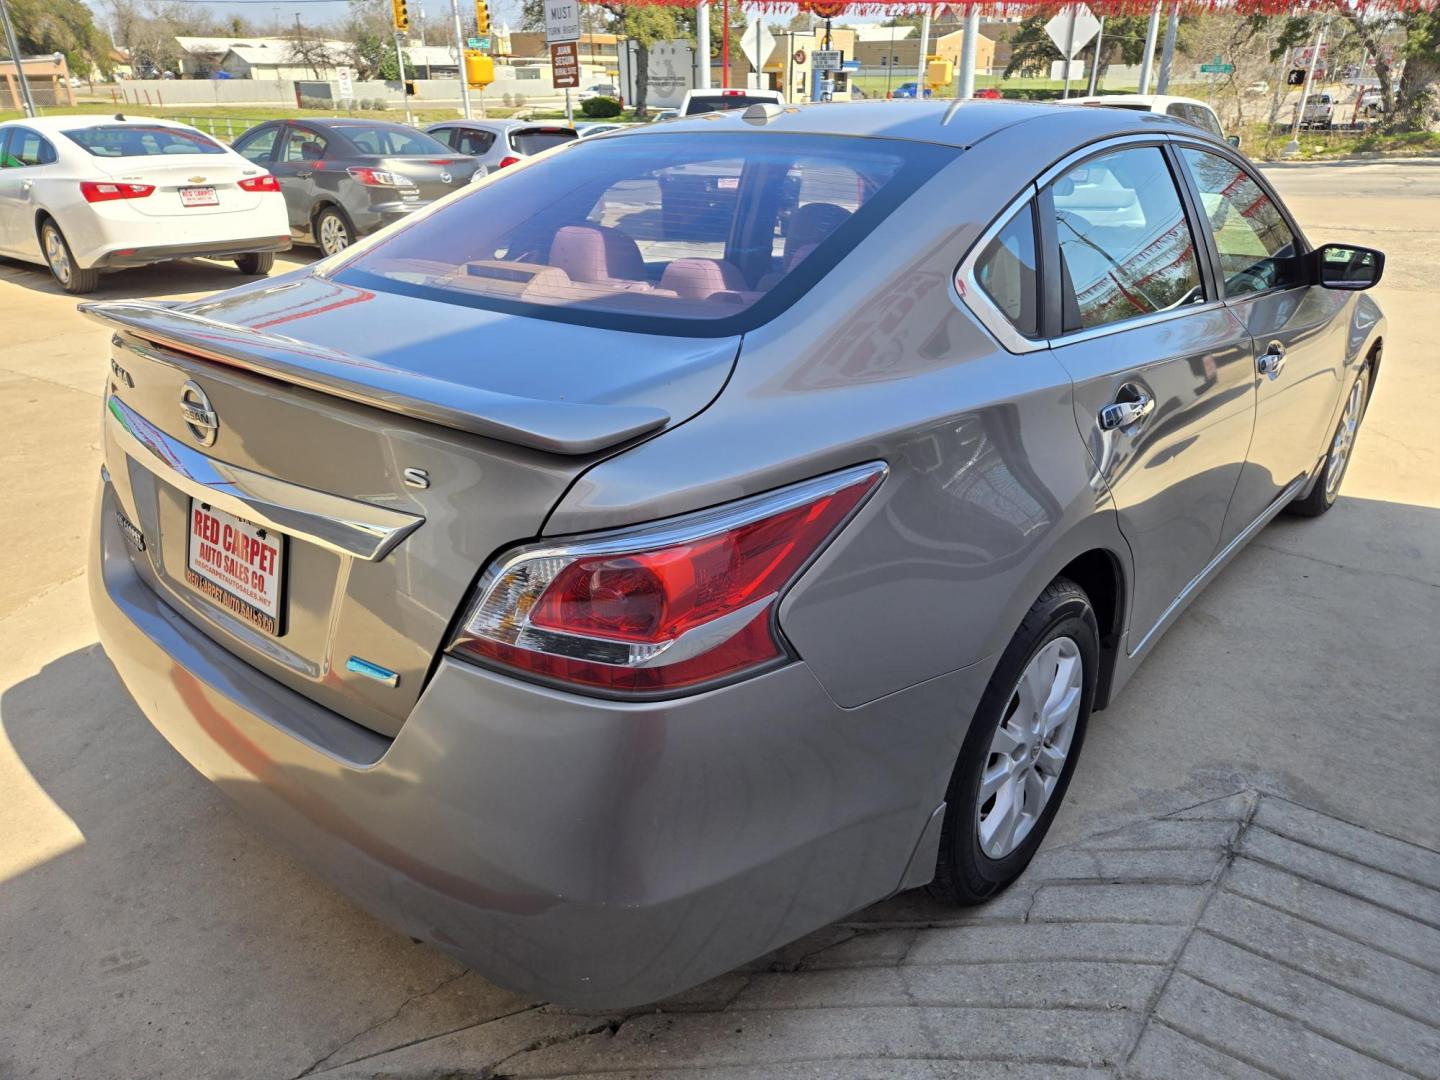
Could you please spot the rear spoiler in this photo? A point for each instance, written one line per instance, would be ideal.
(559, 427)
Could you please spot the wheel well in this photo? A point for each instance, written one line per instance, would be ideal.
(1376, 351)
(1098, 572)
(42, 216)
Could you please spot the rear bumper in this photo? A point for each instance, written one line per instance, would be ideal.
(598, 853)
(214, 249)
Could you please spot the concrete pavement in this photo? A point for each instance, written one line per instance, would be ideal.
(1287, 930)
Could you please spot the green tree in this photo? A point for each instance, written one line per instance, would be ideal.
(44, 27)
(645, 25)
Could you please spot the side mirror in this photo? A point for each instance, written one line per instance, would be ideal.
(1345, 266)
(1233, 140)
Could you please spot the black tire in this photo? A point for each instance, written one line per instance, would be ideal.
(256, 262)
(964, 873)
(61, 261)
(332, 218)
(1323, 494)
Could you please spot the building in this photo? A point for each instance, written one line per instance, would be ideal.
(949, 46)
(787, 68)
(431, 62)
(594, 50)
(47, 77)
(259, 58)
(880, 47)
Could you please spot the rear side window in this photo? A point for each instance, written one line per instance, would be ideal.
(302, 144)
(703, 103)
(474, 143)
(534, 140)
(27, 148)
(1006, 271)
(673, 233)
(383, 141)
(1125, 244)
(137, 140)
(257, 147)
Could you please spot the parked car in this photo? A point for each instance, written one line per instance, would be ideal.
(600, 90)
(498, 144)
(1319, 112)
(612, 607)
(1181, 108)
(989, 93)
(1369, 105)
(725, 99)
(88, 194)
(343, 179)
(908, 90)
(663, 114)
(1258, 88)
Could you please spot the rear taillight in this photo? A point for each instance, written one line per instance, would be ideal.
(100, 191)
(663, 607)
(509, 159)
(379, 177)
(260, 183)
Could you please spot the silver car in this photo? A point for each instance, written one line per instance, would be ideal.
(498, 144)
(611, 586)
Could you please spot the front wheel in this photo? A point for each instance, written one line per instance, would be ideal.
(1337, 459)
(1021, 749)
(256, 262)
(69, 276)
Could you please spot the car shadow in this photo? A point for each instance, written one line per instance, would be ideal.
(168, 279)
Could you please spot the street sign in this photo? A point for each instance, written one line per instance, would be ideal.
(562, 21)
(757, 45)
(565, 65)
(1086, 27)
(472, 43)
(826, 59)
(1217, 69)
(346, 78)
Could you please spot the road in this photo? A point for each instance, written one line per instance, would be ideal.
(145, 930)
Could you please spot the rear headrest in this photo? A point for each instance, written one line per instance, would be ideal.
(596, 253)
(697, 279)
(809, 226)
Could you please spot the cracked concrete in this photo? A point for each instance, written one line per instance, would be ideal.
(146, 931)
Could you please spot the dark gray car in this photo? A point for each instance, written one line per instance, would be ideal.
(611, 581)
(343, 179)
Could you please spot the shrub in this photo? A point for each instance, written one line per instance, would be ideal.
(519, 100)
(313, 103)
(505, 97)
(379, 104)
(600, 108)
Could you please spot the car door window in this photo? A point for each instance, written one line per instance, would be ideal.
(258, 146)
(1006, 272)
(27, 148)
(302, 145)
(474, 143)
(445, 134)
(4, 154)
(1257, 248)
(1125, 243)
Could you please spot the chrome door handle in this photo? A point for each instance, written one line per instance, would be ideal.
(1122, 414)
(26, 185)
(1272, 361)
(304, 173)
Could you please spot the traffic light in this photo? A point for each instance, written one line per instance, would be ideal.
(1296, 77)
(400, 15)
(479, 69)
(482, 18)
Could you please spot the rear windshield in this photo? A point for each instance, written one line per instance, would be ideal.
(533, 140)
(702, 103)
(381, 140)
(135, 140)
(693, 233)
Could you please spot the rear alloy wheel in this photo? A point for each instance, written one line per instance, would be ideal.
(67, 274)
(1337, 459)
(256, 262)
(1021, 749)
(332, 231)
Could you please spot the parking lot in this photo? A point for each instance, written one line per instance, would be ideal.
(1243, 881)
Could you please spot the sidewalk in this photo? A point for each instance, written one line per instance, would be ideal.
(1243, 937)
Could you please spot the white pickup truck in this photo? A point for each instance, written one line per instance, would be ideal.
(1319, 111)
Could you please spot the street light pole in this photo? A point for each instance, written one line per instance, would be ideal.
(1293, 146)
(702, 44)
(460, 58)
(400, 63)
(924, 50)
(965, 85)
(1167, 54)
(1095, 60)
(14, 46)
(1152, 32)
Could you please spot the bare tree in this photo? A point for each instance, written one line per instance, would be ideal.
(311, 51)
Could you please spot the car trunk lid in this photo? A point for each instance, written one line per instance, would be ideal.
(187, 185)
(391, 444)
(431, 177)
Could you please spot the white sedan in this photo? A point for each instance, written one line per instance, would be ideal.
(82, 194)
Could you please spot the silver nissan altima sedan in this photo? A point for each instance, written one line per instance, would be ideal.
(681, 540)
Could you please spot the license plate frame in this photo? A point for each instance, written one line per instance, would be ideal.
(224, 555)
(199, 196)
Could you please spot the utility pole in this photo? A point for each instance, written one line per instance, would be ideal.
(460, 56)
(702, 45)
(1069, 57)
(965, 85)
(14, 47)
(400, 63)
(1167, 54)
(1152, 32)
(1293, 146)
(1095, 60)
(924, 51)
